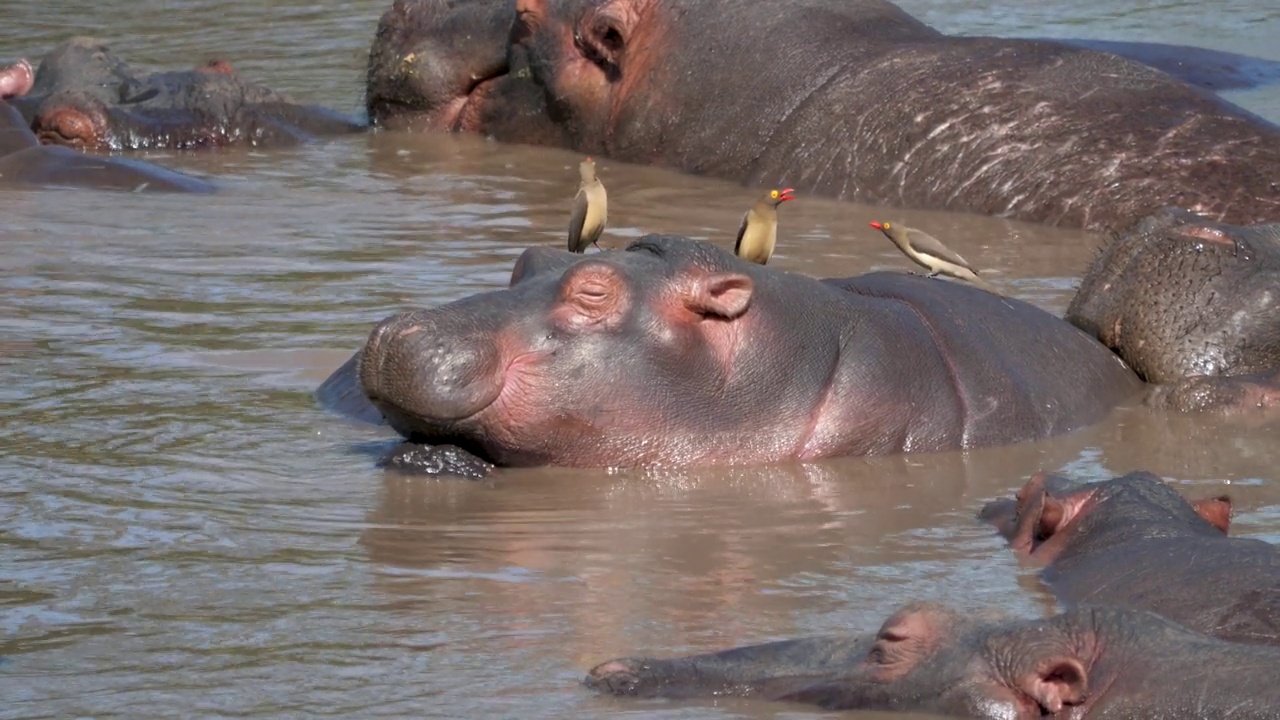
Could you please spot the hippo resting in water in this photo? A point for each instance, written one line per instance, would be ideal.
(24, 161)
(86, 97)
(676, 352)
(852, 99)
(1133, 541)
(1090, 662)
(1192, 305)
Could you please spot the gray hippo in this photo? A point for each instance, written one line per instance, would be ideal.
(1191, 305)
(1133, 541)
(86, 97)
(676, 352)
(852, 99)
(24, 162)
(1089, 662)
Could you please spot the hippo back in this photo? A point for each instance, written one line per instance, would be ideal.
(1019, 372)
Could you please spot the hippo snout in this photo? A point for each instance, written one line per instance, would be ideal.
(426, 375)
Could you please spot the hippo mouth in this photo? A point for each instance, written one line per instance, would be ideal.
(463, 113)
(70, 127)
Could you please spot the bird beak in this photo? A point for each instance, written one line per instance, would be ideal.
(877, 226)
(785, 195)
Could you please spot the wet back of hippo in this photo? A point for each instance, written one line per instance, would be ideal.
(1019, 373)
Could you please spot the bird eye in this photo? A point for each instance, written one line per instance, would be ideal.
(773, 194)
(887, 226)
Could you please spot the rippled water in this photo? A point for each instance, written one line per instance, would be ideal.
(182, 533)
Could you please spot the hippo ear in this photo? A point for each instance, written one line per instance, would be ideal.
(1053, 516)
(722, 295)
(1056, 682)
(1216, 510)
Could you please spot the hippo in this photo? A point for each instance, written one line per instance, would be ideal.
(1133, 541)
(86, 97)
(676, 352)
(1190, 304)
(24, 162)
(1088, 662)
(851, 99)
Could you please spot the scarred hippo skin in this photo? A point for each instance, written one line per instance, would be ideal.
(676, 352)
(853, 99)
(1190, 304)
(24, 162)
(1091, 662)
(1133, 541)
(86, 97)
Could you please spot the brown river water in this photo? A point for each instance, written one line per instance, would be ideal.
(184, 534)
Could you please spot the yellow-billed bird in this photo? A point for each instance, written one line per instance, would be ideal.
(759, 232)
(590, 209)
(929, 253)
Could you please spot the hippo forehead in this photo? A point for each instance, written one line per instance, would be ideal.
(1141, 496)
(652, 255)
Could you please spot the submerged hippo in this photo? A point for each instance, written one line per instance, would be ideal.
(852, 99)
(1133, 541)
(1191, 304)
(25, 162)
(676, 352)
(1088, 662)
(86, 97)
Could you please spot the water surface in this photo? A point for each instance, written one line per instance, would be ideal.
(182, 533)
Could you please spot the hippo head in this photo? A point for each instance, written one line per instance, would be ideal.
(1052, 511)
(928, 657)
(1179, 295)
(925, 658)
(607, 75)
(670, 351)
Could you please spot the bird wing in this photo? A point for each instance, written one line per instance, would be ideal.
(928, 244)
(578, 218)
(746, 220)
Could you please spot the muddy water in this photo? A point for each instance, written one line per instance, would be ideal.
(183, 534)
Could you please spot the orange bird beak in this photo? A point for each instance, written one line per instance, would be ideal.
(877, 226)
(785, 195)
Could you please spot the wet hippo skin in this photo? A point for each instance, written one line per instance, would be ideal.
(1191, 305)
(24, 162)
(1133, 541)
(85, 96)
(849, 99)
(1089, 662)
(676, 352)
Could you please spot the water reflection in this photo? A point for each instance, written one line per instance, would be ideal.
(180, 527)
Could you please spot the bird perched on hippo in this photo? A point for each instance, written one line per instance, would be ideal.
(590, 209)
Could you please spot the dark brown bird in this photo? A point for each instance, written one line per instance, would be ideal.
(759, 232)
(590, 209)
(929, 253)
